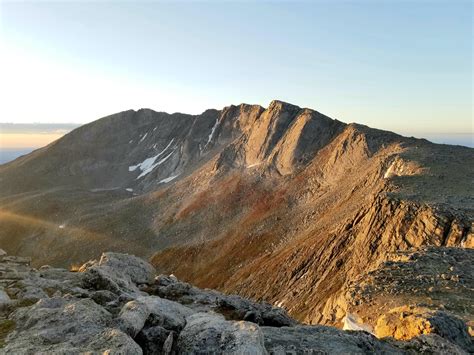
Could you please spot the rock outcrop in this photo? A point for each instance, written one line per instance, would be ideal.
(427, 291)
(62, 313)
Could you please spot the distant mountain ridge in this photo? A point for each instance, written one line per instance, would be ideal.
(281, 203)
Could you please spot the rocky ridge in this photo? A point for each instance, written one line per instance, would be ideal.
(279, 204)
(117, 305)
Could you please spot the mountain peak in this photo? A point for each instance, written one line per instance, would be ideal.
(282, 105)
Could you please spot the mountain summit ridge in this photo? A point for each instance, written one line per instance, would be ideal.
(282, 204)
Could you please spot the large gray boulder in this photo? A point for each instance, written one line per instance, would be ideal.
(133, 316)
(66, 325)
(168, 314)
(118, 273)
(139, 271)
(210, 333)
(323, 340)
(155, 311)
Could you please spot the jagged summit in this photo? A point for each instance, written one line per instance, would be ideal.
(282, 204)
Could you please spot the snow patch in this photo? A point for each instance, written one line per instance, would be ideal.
(212, 133)
(129, 190)
(168, 179)
(164, 150)
(144, 136)
(149, 162)
(350, 323)
(130, 141)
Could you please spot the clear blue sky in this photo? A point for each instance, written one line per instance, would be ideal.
(399, 65)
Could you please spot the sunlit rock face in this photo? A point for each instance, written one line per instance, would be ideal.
(282, 204)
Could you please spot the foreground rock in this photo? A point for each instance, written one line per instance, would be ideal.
(156, 312)
(321, 339)
(117, 306)
(66, 325)
(232, 306)
(210, 333)
(118, 273)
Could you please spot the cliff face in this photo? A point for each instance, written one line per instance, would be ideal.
(280, 204)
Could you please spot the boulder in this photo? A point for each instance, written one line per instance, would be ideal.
(139, 271)
(429, 344)
(210, 333)
(111, 341)
(405, 323)
(133, 316)
(168, 314)
(324, 340)
(153, 340)
(155, 311)
(118, 273)
(103, 297)
(66, 325)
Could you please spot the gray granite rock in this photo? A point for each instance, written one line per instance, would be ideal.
(66, 325)
(323, 340)
(208, 333)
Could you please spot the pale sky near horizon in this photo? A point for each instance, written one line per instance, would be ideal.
(404, 66)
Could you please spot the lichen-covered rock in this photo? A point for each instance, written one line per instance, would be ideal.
(66, 325)
(429, 344)
(139, 271)
(55, 311)
(103, 297)
(168, 314)
(232, 306)
(325, 340)
(118, 273)
(133, 316)
(110, 341)
(155, 311)
(208, 333)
